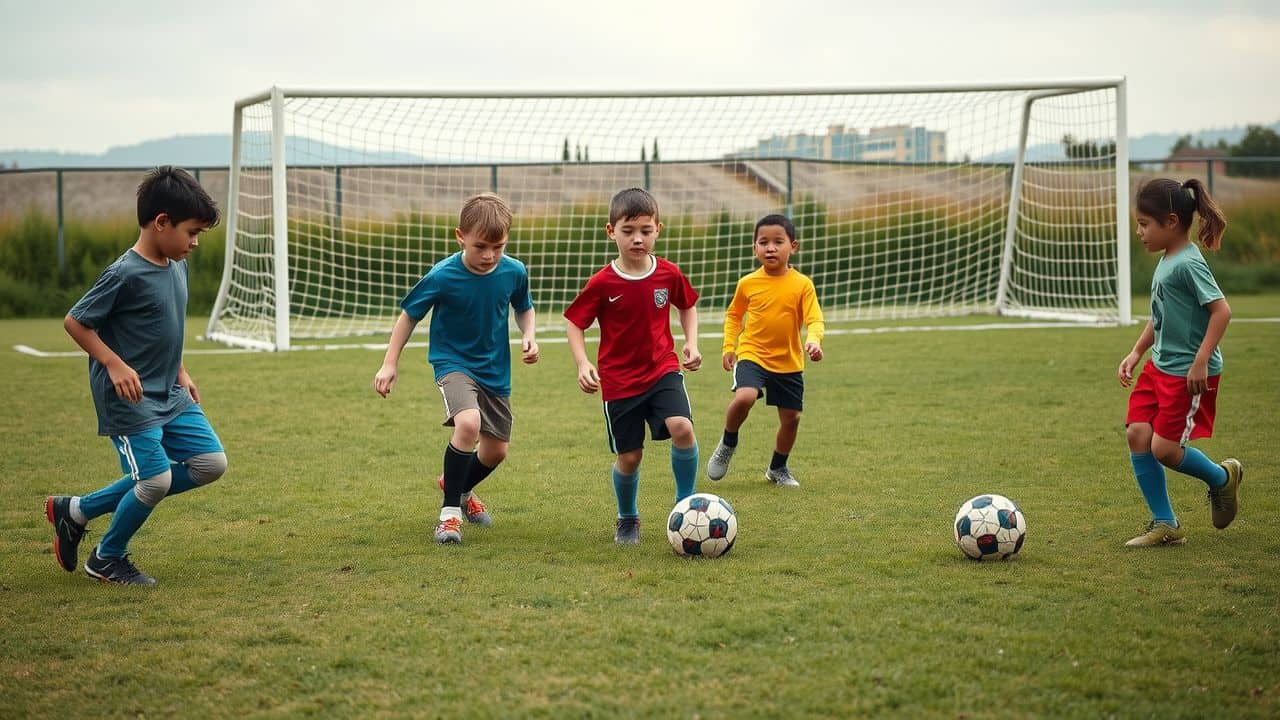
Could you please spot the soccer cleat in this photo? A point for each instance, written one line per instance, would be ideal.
(471, 506)
(449, 530)
(628, 531)
(1223, 501)
(1159, 533)
(66, 532)
(718, 465)
(474, 510)
(117, 570)
(781, 477)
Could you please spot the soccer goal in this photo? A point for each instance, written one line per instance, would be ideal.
(909, 202)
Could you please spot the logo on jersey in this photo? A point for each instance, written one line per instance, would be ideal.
(660, 297)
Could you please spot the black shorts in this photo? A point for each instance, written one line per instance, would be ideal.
(625, 418)
(784, 390)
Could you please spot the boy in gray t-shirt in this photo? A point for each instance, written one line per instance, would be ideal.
(131, 324)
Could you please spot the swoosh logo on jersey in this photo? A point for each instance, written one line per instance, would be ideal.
(615, 299)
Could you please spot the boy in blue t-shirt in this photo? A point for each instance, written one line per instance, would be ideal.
(469, 294)
(131, 324)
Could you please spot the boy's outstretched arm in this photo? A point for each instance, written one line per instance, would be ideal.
(691, 359)
(528, 336)
(124, 378)
(386, 377)
(1145, 339)
(588, 378)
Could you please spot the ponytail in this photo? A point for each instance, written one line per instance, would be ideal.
(1161, 197)
(1212, 222)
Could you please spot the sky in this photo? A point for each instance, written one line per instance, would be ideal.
(83, 76)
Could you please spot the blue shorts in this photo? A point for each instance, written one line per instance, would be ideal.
(150, 452)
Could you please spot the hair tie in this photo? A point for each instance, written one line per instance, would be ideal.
(1190, 192)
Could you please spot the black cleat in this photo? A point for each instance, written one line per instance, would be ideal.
(628, 531)
(66, 532)
(116, 570)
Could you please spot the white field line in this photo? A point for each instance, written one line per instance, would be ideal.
(555, 340)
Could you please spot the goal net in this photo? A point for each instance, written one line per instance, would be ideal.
(908, 202)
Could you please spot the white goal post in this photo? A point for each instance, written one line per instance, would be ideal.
(909, 201)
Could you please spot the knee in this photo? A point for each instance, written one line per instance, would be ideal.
(681, 430)
(1169, 453)
(207, 467)
(150, 491)
(493, 455)
(629, 462)
(1138, 435)
(789, 420)
(466, 430)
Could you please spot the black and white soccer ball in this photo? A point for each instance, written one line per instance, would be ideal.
(990, 527)
(702, 525)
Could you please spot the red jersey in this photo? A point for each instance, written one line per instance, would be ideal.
(636, 347)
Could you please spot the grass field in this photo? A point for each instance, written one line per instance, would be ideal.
(305, 582)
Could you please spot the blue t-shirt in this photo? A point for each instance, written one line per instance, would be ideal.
(1180, 288)
(469, 323)
(139, 310)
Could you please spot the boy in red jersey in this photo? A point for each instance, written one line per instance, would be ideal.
(639, 377)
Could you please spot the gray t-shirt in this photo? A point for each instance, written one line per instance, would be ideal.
(139, 310)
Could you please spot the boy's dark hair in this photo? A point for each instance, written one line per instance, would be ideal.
(175, 193)
(780, 220)
(1159, 197)
(487, 216)
(632, 203)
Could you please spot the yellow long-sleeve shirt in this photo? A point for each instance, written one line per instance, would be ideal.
(764, 320)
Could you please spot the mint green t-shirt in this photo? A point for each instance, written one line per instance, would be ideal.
(1181, 287)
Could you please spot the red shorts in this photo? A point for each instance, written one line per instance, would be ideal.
(1162, 400)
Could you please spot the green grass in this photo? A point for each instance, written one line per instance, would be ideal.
(305, 582)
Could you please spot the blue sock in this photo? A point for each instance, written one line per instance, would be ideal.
(1197, 464)
(684, 466)
(182, 481)
(129, 516)
(1155, 490)
(627, 488)
(103, 501)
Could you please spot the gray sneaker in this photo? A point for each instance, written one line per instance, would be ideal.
(628, 531)
(718, 465)
(781, 477)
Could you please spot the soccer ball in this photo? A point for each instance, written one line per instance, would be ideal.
(990, 527)
(702, 525)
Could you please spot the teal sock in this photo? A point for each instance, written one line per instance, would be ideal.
(182, 481)
(129, 516)
(626, 488)
(1197, 464)
(1155, 490)
(100, 502)
(684, 466)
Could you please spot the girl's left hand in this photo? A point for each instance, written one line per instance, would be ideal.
(1197, 379)
(184, 380)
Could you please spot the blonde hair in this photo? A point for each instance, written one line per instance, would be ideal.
(485, 215)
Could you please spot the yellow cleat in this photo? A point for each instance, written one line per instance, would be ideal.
(1159, 533)
(1223, 501)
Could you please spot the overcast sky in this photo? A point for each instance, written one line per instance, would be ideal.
(85, 76)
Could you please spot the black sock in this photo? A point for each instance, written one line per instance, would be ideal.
(477, 472)
(455, 475)
(779, 460)
(730, 439)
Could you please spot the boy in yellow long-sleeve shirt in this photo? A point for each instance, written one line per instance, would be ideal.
(762, 346)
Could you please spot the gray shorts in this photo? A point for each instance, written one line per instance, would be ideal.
(460, 393)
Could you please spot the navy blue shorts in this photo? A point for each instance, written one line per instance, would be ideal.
(625, 419)
(784, 390)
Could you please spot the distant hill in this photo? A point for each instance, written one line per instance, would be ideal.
(198, 151)
(215, 151)
(1152, 146)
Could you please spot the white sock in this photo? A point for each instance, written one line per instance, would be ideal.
(76, 514)
(448, 512)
